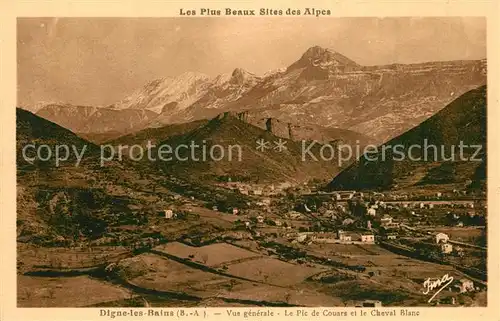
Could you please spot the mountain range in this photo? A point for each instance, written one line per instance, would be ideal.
(322, 89)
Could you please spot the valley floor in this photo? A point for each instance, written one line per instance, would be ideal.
(239, 271)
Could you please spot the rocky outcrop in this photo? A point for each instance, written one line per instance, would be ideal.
(298, 132)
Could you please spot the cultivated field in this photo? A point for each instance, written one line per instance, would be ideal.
(68, 258)
(463, 234)
(273, 271)
(77, 291)
(210, 255)
(157, 273)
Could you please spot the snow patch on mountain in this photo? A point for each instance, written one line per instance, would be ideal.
(183, 90)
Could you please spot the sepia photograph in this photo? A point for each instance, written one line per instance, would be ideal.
(251, 162)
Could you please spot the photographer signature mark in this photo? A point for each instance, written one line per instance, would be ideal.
(441, 284)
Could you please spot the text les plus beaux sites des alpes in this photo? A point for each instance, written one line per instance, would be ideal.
(254, 12)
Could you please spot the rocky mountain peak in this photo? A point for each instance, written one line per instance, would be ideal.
(241, 76)
(317, 51)
(324, 58)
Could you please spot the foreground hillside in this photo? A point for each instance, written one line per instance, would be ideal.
(462, 121)
(80, 203)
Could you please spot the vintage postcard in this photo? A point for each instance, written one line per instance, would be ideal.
(235, 161)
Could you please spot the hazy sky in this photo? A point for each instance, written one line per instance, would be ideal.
(98, 61)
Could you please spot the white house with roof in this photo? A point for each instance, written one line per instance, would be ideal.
(386, 220)
(466, 285)
(301, 237)
(446, 248)
(340, 233)
(442, 238)
(371, 211)
(169, 214)
(257, 191)
(344, 237)
(347, 221)
(371, 304)
(367, 238)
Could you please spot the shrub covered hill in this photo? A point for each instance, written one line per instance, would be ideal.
(59, 205)
(462, 121)
(56, 204)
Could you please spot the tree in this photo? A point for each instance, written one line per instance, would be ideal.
(28, 294)
(51, 293)
(204, 258)
(231, 284)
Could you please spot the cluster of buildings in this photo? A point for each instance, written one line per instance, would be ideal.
(387, 222)
(357, 237)
(346, 195)
(430, 204)
(257, 189)
(341, 237)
